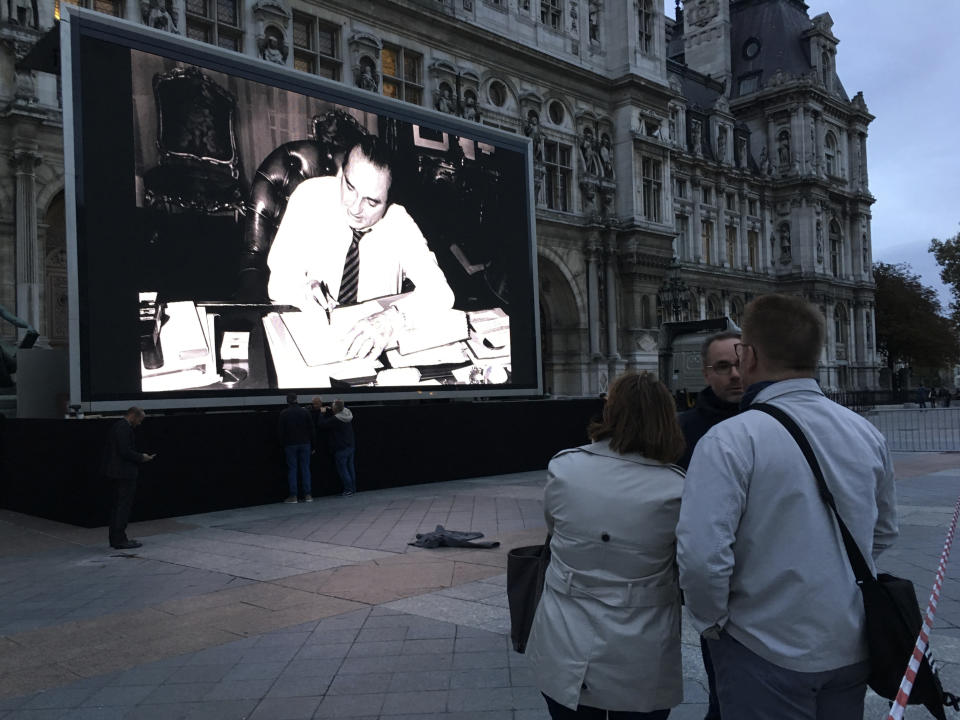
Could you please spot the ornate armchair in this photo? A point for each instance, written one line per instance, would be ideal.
(277, 177)
(199, 168)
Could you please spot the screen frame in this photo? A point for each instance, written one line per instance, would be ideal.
(76, 23)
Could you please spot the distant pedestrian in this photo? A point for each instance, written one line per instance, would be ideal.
(297, 436)
(922, 396)
(338, 420)
(121, 466)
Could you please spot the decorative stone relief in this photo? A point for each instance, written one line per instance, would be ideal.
(272, 46)
(159, 14)
(365, 61)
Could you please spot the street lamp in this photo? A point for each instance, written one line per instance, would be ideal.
(674, 291)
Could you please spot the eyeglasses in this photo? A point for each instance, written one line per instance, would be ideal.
(724, 368)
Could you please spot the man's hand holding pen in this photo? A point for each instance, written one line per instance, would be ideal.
(370, 336)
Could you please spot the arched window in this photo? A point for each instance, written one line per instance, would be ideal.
(836, 249)
(825, 69)
(830, 154)
(714, 307)
(736, 311)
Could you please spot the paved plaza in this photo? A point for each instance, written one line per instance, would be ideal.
(323, 610)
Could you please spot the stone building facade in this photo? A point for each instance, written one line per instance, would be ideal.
(721, 137)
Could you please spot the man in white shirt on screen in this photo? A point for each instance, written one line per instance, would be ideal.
(342, 241)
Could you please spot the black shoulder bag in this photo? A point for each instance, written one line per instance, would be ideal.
(889, 603)
(526, 568)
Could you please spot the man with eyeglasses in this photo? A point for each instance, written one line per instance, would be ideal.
(720, 399)
(766, 577)
(717, 402)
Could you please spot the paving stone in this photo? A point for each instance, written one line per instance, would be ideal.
(293, 708)
(338, 706)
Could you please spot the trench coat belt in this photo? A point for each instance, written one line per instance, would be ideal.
(621, 594)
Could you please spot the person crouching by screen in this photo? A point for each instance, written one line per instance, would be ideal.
(605, 641)
(338, 419)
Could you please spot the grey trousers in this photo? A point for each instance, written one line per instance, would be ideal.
(750, 688)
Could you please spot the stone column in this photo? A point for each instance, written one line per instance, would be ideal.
(798, 139)
(696, 232)
(593, 295)
(610, 274)
(831, 344)
(864, 175)
(743, 252)
(29, 261)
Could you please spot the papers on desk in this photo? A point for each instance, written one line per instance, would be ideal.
(189, 356)
(302, 345)
(439, 328)
(319, 341)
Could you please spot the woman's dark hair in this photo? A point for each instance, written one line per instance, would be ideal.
(640, 416)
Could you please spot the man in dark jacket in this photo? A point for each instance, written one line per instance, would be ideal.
(296, 435)
(719, 400)
(339, 421)
(121, 466)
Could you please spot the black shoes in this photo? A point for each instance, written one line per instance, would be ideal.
(126, 545)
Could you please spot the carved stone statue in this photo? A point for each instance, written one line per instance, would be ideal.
(722, 144)
(273, 50)
(368, 79)
(8, 358)
(741, 152)
(764, 161)
(589, 155)
(696, 141)
(444, 101)
(532, 130)
(786, 256)
(593, 23)
(470, 109)
(783, 152)
(606, 157)
(158, 14)
(819, 241)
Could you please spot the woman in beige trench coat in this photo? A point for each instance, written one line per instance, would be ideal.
(606, 635)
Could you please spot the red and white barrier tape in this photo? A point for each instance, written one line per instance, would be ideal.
(906, 685)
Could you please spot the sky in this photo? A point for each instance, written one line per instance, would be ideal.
(903, 56)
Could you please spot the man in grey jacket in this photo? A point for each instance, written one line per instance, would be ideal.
(762, 564)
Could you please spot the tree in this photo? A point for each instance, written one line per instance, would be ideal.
(947, 253)
(910, 326)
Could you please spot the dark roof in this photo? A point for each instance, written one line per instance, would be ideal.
(780, 27)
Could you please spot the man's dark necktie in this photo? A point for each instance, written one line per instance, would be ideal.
(351, 271)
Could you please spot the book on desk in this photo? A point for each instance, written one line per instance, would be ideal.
(308, 347)
(186, 335)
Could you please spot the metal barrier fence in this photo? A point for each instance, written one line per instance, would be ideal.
(917, 429)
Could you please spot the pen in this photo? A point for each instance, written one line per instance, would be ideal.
(322, 299)
(331, 301)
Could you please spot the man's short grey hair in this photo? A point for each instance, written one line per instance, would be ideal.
(711, 339)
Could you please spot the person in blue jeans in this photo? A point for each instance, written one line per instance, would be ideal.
(338, 420)
(297, 436)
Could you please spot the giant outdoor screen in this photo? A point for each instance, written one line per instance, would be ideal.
(238, 230)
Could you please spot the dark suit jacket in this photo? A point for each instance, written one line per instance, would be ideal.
(121, 458)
